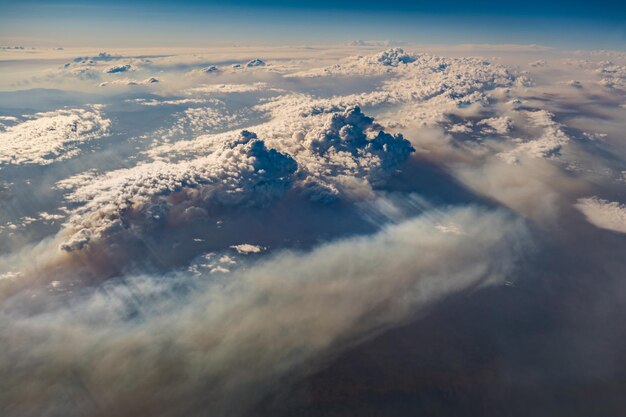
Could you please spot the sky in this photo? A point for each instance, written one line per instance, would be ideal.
(576, 24)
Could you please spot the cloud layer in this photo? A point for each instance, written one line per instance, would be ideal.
(248, 222)
(51, 136)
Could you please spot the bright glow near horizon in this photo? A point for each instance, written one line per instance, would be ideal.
(116, 24)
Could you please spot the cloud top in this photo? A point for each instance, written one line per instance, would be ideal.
(52, 136)
(242, 171)
(604, 214)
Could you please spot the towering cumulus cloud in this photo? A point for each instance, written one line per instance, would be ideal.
(345, 148)
(243, 171)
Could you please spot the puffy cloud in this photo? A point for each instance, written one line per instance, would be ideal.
(339, 152)
(499, 125)
(82, 72)
(245, 248)
(118, 68)
(6, 121)
(395, 56)
(547, 145)
(421, 68)
(127, 81)
(82, 62)
(610, 74)
(427, 87)
(341, 156)
(243, 171)
(603, 214)
(613, 76)
(214, 115)
(99, 67)
(151, 80)
(575, 84)
(51, 136)
(255, 63)
(102, 56)
(348, 145)
(207, 70)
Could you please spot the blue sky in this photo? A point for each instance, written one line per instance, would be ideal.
(196, 23)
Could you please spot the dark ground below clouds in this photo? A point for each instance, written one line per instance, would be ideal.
(553, 344)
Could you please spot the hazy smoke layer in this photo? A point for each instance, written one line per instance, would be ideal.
(178, 345)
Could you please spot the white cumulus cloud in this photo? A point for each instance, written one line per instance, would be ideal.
(603, 214)
(51, 136)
